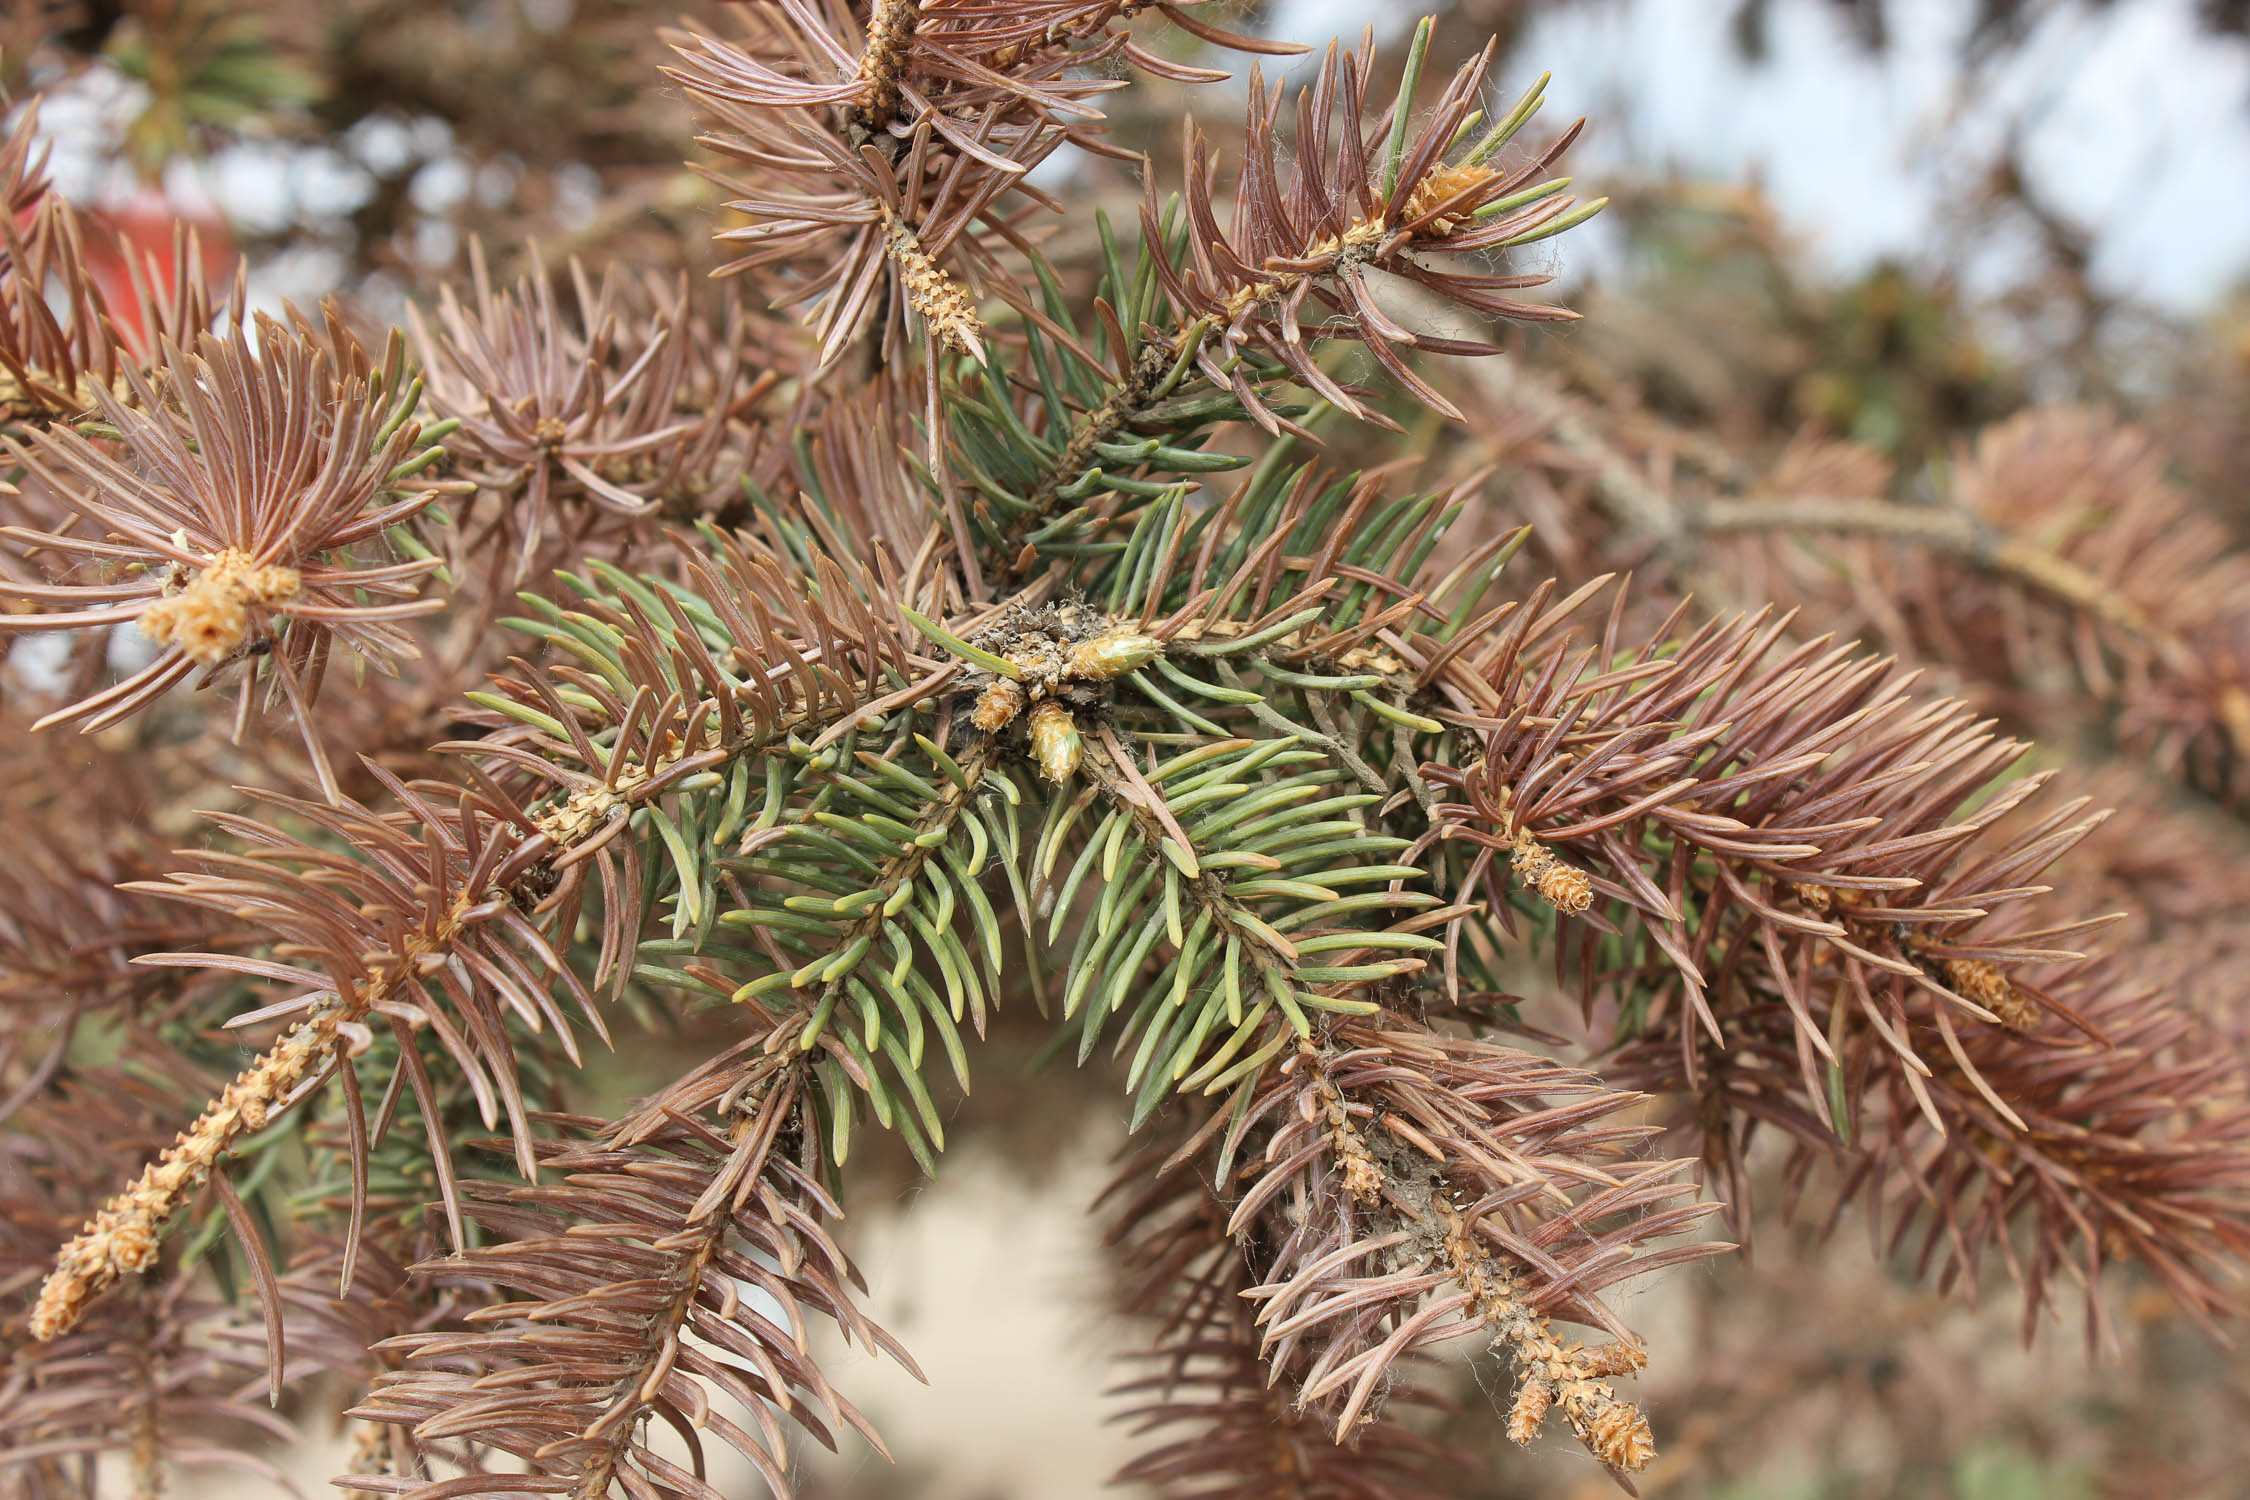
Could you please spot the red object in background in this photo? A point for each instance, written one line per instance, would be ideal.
(153, 234)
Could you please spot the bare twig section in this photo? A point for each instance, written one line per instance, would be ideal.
(1550, 1374)
(883, 66)
(148, 1435)
(2068, 508)
(942, 303)
(121, 1240)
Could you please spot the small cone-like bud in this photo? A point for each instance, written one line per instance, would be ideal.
(210, 618)
(1054, 741)
(121, 1239)
(1533, 1398)
(997, 706)
(1114, 655)
(1980, 981)
(1620, 1437)
(1438, 186)
(1562, 886)
(943, 303)
(1618, 1357)
(890, 39)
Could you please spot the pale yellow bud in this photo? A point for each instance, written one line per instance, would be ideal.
(1114, 655)
(1054, 741)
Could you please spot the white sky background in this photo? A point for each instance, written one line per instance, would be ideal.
(2131, 121)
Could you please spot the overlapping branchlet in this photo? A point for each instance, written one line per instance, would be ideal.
(880, 157)
(1359, 194)
(456, 910)
(633, 404)
(1413, 1187)
(147, 1379)
(240, 520)
(625, 1279)
(1224, 1422)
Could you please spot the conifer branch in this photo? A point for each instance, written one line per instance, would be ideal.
(1024, 658)
(1231, 1428)
(468, 898)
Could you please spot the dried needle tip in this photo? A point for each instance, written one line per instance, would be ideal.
(210, 618)
(1562, 886)
(942, 302)
(121, 1240)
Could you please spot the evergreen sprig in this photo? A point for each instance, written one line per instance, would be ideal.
(1258, 778)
